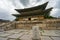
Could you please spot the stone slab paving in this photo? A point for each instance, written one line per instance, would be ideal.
(27, 35)
(17, 35)
(14, 31)
(3, 38)
(56, 38)
(45, 38)
(5, 34)
(51, 33)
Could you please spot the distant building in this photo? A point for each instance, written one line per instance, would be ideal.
(34, 13)
(39, 15)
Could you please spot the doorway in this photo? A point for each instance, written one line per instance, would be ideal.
(29, 19)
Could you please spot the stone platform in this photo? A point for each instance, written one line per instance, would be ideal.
(20, 34)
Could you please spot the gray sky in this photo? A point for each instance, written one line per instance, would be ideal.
(7, 7)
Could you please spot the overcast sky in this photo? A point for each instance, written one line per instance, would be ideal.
(7, 7)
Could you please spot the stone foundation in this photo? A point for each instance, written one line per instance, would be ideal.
(43, 24)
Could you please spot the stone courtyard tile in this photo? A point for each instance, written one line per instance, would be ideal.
(13, 31)
(3, 38)
(56, 38)
(57, 32)
(4, 34)
(27, 36)
(11, 39)
(45, 38)
(50, 33)
(16, 35)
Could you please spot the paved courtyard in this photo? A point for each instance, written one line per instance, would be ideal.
(19, 34)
